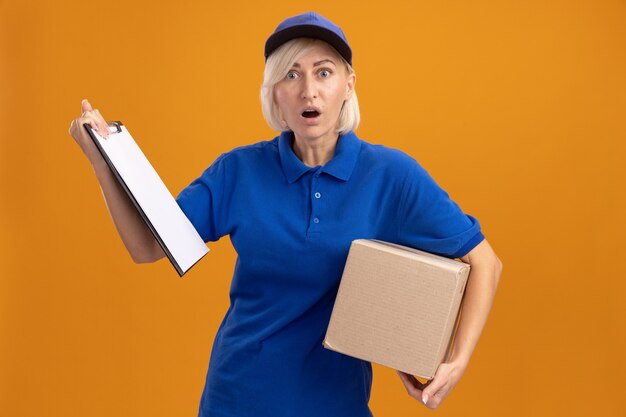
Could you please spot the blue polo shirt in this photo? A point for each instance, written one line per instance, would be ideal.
(292, 226)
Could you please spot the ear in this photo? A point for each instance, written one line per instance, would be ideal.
(350, 82)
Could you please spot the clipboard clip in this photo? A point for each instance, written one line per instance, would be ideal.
(117, 125)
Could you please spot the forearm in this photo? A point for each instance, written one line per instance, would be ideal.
(137, 237)
(479, 295)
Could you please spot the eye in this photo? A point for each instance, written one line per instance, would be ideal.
(292, 75)
(325, 73)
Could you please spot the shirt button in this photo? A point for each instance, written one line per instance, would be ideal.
(316, 220)
(317, 195)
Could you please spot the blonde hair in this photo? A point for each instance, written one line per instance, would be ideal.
(276, 68)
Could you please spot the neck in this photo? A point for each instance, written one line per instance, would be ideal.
(316, 151)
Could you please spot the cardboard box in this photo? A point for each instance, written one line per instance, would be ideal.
(397, 306)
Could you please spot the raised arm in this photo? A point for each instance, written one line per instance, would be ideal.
(139, 241)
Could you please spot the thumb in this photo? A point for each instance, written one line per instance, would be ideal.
(85, 106)
(431, 389)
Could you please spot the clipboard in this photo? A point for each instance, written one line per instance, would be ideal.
(157, 207)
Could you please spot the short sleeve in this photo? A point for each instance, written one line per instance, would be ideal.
(431, 221)
(202, 201)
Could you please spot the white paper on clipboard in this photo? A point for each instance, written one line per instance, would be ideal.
(177, 236)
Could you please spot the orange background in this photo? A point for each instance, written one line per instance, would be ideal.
(517, 109)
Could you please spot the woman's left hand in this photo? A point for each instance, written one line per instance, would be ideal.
(432, 393)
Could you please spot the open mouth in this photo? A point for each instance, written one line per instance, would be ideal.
(309, 114)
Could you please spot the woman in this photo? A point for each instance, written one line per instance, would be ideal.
(292, 205)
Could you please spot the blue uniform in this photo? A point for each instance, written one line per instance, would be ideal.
(292, 226)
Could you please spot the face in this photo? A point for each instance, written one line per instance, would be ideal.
(312, 93)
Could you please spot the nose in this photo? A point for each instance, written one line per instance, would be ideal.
(309, 88)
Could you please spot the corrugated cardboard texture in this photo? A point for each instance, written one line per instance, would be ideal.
(396, 306)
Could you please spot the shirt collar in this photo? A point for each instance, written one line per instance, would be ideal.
(340, 166)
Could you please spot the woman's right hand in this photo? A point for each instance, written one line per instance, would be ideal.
(135, 234)
(80, 135)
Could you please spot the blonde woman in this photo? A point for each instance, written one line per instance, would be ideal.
(291, 206)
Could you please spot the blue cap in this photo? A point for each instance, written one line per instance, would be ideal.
(309, 25)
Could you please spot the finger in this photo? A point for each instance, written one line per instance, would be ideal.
(416, 382)
(91, 122)
(433, 388)
(85, 106)
(412, 385)
(103, 124)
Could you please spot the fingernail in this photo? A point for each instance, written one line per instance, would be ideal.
(425, 398)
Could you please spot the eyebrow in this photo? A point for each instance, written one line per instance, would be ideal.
(323, 61)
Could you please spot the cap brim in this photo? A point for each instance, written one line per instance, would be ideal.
(308, 31)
